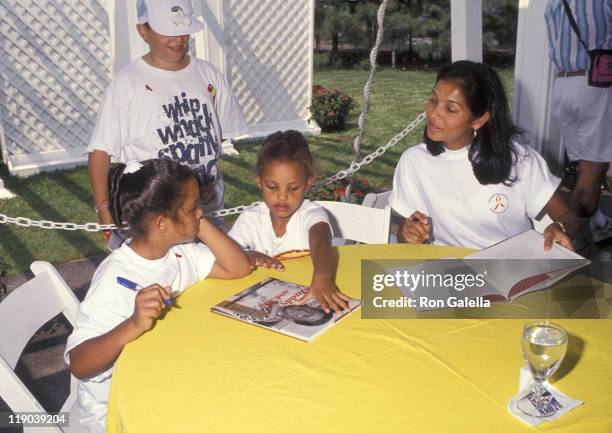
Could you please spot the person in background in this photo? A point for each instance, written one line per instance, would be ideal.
(165, 104)
(475, 181)
(583, 113)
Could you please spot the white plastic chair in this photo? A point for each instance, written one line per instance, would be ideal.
(23, 312)
(380, 201)
(359, 223)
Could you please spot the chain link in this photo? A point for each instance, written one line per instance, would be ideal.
(95, 227)
(231, 211)
(51, 225)
(355, 166)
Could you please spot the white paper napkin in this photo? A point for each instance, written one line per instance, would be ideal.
(562, 401)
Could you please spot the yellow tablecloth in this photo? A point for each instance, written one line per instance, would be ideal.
(200, 372)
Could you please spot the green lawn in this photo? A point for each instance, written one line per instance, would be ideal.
(397, 98)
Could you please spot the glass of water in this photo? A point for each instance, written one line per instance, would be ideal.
(544, 346)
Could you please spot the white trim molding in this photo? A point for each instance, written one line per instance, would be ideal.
(533, 79)
(466, 30)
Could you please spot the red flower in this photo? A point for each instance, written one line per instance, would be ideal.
(339, 192)
(319, 90)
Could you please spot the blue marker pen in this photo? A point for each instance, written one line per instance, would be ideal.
(134, 286)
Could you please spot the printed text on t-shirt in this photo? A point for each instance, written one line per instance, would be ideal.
(190, 137)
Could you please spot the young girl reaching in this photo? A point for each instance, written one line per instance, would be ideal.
(285, 221)
(159, 201)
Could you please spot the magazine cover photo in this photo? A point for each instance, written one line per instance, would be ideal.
(270, 304)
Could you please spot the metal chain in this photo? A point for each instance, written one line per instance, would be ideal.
(50, 225)
(355, 166)
(94, 227)
(231, 211)
(380, 19)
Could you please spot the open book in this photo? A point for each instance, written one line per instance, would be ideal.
(500, 273)
(520, 265)
(270, 304)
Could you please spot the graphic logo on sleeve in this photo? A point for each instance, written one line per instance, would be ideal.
(189, 135)
(498, 203)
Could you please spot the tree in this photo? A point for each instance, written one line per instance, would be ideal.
(435, 30)
(407, 20)
(400, 25)
(419, 25)
(333, 21)
(499, 24)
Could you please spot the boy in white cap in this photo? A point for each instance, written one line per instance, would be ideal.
(165, 104)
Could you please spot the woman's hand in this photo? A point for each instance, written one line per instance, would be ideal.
(148, 306)
(329, 296)
(415, 229)
(554, 233)
(259, 259)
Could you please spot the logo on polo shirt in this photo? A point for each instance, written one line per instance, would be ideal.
(498, 203)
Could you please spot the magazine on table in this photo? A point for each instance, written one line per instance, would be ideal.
(270, 304)
(500, 273)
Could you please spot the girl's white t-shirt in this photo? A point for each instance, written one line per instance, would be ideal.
(253, 229)
(464, 212)
(108, 303)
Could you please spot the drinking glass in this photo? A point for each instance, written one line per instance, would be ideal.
(544, 345)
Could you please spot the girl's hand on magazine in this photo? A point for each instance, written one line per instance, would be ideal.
(259, 259)
(329, 296)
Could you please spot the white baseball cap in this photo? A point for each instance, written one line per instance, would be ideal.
(168, 17)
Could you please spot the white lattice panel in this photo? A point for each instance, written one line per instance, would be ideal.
(268, 45)
(55, 61)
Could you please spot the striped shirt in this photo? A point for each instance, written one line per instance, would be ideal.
(594, 19)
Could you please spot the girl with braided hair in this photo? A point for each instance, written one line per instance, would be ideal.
(172, 247)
